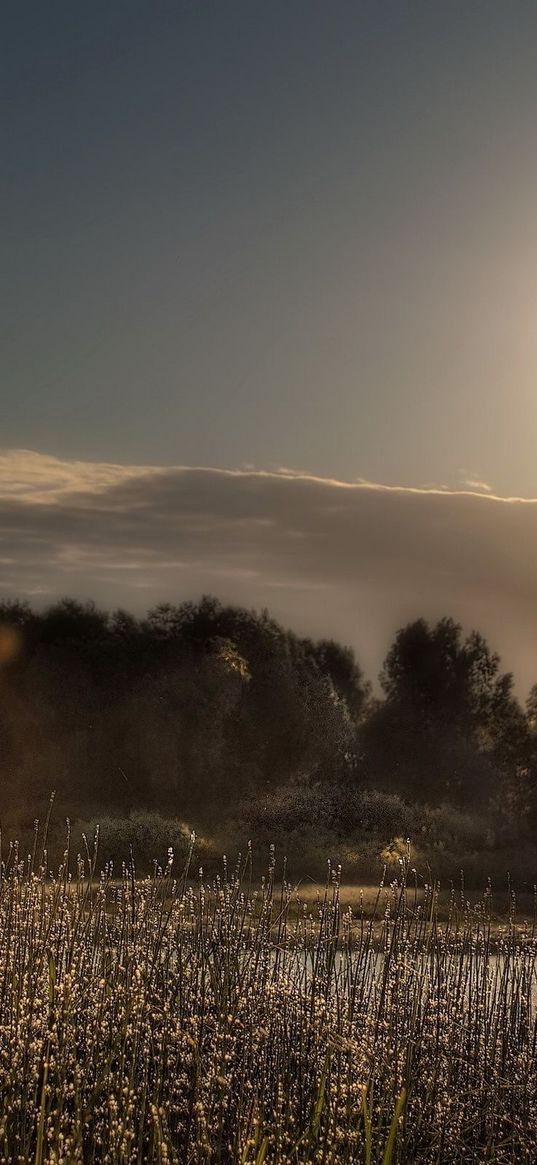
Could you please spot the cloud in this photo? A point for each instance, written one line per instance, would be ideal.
(478, 486)
(353, 560)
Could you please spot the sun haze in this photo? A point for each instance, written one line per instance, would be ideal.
(280, 234)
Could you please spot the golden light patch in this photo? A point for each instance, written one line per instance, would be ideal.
(232, 659)
(10, 643)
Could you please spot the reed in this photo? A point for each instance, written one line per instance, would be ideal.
(179, 1019)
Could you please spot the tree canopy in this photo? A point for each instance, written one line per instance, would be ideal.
(200, 704)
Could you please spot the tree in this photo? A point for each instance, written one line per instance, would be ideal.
(340, 666)
(450, 726)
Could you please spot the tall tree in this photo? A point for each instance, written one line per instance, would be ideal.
(450, 726)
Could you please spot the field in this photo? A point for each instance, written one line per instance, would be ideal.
(179, 1019)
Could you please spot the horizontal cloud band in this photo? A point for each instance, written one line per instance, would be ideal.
(352, 560)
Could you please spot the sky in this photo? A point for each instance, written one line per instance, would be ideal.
(351, 561)
(268, 250)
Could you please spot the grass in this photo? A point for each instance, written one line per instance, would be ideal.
(504, 908)
(189, 1020)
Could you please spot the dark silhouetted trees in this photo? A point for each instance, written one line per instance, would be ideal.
(189, 709)
(199, 706)
(449, 727)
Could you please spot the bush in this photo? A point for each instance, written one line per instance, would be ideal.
(149, 835)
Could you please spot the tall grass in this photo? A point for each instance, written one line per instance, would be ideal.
(179, 1019)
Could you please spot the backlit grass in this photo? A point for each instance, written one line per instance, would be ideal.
(175, 1019)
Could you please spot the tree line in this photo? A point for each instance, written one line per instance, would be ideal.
(200, 706)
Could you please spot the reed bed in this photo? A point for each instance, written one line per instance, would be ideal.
(181, 1020)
